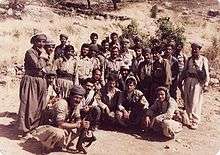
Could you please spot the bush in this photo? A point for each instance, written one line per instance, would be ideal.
(168, 31)
(213, 52)
(132, 30)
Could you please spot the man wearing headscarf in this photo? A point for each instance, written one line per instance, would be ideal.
(33, 86)
(160, 115)
(132, 105)
(67, 122)
(196, 78)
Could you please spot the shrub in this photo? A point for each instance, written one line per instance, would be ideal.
(212, 53)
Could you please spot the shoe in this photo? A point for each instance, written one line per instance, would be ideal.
(81, 149)
(194, 126)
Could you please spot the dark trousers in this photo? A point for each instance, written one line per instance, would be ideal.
(93, 115)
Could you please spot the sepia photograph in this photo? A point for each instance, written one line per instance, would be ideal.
(110, 77)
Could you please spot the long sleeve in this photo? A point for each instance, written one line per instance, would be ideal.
(172, 107)
(120, 101)
(33, 61)
(168, 74)
(206, 67)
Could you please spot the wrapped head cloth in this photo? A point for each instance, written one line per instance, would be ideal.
(63, 36)
(77, 90)
(38, 37)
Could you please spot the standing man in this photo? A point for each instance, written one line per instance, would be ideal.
(196, 79)
(161, 72)
(59, 50)
(84, 64)
(65, 67)
(33, 86)
(113, 64)
(114, 40)
(181, 58)
(94, 41)
(174, 69)
(126, 54)
(145, 74)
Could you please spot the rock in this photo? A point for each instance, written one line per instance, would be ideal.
(3, 81)
(3, 11)
(166, 147)
(214, 81)
(186, 12)
(212, 74)
(167, 4)
(213, 13)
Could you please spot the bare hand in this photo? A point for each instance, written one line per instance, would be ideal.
(86, 108)
(126, 114)
(147, 121)
(85, 124)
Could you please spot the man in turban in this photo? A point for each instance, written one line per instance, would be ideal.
(67, 122)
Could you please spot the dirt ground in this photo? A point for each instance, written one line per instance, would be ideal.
(204, 140)
(14, 36)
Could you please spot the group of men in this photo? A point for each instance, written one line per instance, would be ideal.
(65, 95)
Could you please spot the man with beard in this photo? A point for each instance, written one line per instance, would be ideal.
(67, 122)
(113, 64)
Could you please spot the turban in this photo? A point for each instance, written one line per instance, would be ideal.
(49, 42)
(125, 67)
(131, 78)
(125, 40)
(51, 73)
(38, 37)
(77, 90)
(196, 44)
(166, 90)
(63, 35)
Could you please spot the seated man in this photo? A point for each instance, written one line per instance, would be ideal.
(90, 110)
(161, 114)
(109, 99)
(132, 105)
(67, 123)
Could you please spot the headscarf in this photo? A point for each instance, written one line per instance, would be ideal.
(63, 35)
(161, 88)
(77, 90)
(196, 44)
(38, 37)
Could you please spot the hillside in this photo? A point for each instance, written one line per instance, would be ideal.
(40, 17)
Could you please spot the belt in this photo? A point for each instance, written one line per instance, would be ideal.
(39, 74)
(192, 75)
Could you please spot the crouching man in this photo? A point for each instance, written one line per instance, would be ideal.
(67, 123)
(160, 116)
(132, 105)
